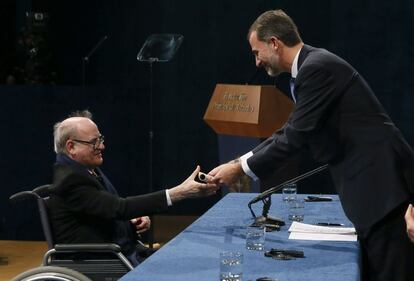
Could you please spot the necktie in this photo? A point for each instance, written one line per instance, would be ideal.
(292, 89)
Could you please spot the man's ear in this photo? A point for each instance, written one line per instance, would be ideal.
(274, 42)
(70, 147)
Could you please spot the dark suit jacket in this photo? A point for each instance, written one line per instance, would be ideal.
(83, 211)
(338, 117)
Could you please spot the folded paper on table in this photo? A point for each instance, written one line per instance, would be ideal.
(303, 231)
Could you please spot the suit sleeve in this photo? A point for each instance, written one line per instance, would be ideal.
(316, 91)
(82, 195)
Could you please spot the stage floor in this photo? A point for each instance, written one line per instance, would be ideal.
(19, 256)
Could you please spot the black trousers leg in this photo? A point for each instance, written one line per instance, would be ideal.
(387, 253)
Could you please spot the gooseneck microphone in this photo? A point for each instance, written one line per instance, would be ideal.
(86, 58)
(274, 189)
(266, 195)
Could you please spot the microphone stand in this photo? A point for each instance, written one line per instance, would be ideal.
(265, 197)
(157, 48)
(151, 61)
(85, 59)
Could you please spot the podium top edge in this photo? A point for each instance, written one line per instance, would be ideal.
(245, 85)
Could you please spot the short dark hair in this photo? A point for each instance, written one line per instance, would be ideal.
(278, 24)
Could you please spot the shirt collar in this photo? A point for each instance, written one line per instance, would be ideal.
(294, 71)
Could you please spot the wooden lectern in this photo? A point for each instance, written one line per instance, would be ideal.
(247, 110)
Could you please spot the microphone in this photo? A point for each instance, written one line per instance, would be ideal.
(274, 189)
(266, 198)
(103, 39)
(85, 59)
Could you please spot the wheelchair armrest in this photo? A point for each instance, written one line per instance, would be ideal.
(89, 247)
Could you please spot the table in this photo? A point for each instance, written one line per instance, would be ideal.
(194, 253)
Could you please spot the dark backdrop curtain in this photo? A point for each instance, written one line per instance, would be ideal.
(374, 36)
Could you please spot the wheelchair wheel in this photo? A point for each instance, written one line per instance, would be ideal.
(50, 273)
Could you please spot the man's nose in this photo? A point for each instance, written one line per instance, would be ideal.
(101, 146)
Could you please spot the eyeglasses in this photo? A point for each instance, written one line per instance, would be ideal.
(96, 142)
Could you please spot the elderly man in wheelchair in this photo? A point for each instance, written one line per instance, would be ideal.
(89, 228)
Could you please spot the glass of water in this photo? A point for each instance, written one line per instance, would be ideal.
(255, 238)
(297, 210)
(231, 266)
(289, 192)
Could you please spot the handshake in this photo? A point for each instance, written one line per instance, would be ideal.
(225, 174)
(200, 184)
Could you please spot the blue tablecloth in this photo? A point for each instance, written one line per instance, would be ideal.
(194, 253)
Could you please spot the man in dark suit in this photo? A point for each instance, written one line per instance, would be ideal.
(85, 207)
(339, 119)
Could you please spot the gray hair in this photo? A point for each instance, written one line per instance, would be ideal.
(62, 131)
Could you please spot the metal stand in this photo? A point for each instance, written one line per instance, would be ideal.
(157, 48)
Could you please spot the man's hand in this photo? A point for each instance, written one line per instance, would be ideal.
(192, 189)
(141, 224)
(227, 174)
(409, 219)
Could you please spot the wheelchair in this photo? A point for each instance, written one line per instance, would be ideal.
(71, 262)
